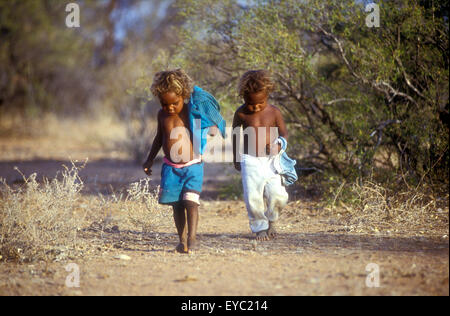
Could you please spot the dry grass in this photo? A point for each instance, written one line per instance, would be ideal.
(38, 220)
(96, 136)
(142, 207)
(137, 208)
(375, 208)
(44, 221)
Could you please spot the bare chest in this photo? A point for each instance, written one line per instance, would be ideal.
(258, 120)
(175, 122)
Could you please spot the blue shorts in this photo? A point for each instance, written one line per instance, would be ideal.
(179, 184)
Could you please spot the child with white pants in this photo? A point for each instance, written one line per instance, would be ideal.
(260, 181)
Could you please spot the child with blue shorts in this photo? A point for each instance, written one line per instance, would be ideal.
(180, 124)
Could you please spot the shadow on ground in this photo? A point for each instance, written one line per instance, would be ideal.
(284, 243)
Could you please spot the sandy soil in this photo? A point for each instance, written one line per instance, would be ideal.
(306, 259)
(313, 254)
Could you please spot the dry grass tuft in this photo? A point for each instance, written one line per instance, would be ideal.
(142, 208)
(376, 208)
(45, 221)
(38, 221)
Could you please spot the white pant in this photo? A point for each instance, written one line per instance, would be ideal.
(260, 181)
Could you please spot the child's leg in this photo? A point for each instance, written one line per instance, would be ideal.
(191, 199)
(180, 222)
(253, 187)
(192, 223)
(277, 198)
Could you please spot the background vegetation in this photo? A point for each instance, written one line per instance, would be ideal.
(356, 98)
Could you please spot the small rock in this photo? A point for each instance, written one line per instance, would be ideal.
(103, 276)
(122, 257)
(314, 280)
(187, 278)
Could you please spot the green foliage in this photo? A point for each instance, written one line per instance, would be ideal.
(353, 96)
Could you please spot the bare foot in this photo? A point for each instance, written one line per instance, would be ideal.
(182, 248)
(262, 235)
(192, 244)
(272, 232)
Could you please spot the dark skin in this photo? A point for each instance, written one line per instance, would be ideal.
(256, 112)
(172, 115)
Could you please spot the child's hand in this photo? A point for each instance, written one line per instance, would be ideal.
(237, 166)
(147, 167)
(213, 130)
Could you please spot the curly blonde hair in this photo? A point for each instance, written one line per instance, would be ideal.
(176, 81)
(255, 81)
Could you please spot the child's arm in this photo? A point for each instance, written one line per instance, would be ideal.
(282, 130)
(236, 140)
(272, 149)
(156, 146)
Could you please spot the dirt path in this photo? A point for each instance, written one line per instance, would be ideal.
(313, 255)
(306, 259)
